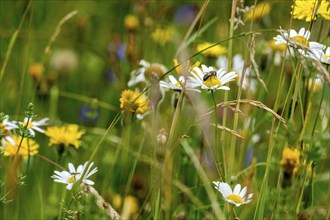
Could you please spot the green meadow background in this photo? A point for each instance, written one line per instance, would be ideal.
(172, 181)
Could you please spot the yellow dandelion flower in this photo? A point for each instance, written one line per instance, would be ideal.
(304, 9)
(290, 160)
(36, 70)
(67, 135)
(131, 22)
(163, 35)
(28, 147)
(134, 102)
(259, 11)
(130, 205)
(215, 51)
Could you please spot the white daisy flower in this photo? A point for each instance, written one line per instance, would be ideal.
(317, 84)
(293, 39)
(175, 84)
(235, 197)
(325, 58)
(210, 79)
(143, 74)
(34, 126)
(74, 175)
(88, 173)
(5, 132)
(249, 83)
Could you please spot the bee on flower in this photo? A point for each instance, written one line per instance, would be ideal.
(236, 197)
(249, 83)
(74, 175)
(210, 79)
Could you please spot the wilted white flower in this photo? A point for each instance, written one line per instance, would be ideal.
(64, 60)
(143, 74)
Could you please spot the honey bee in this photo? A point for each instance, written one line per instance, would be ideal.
(209, 74)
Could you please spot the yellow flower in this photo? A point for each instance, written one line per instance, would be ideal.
(259, 11)
(187, 66)
(67, 135)
(318, 85)
(163, 35)
(36, 70)
(303, 9)
(134, 102)
(28, 146)
(131, 22)
(215, 51)
(130, 205)
(290, 160)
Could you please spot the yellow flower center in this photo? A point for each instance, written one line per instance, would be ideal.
(72, 179)
(28, 126)
(212, 81)
(3, 131)
(301, 40)
(154, 69)
(236, 198)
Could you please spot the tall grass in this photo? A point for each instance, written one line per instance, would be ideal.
(162, 165)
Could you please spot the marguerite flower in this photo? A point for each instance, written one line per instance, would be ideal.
(34, 126)
(5, 131)
(299, 40)
(67, 135)
(235, 197)
(318, 84)
(325, 56)
(249, 83)
(175, 84)
(74, 175)
(144, 73)
(210, 79)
